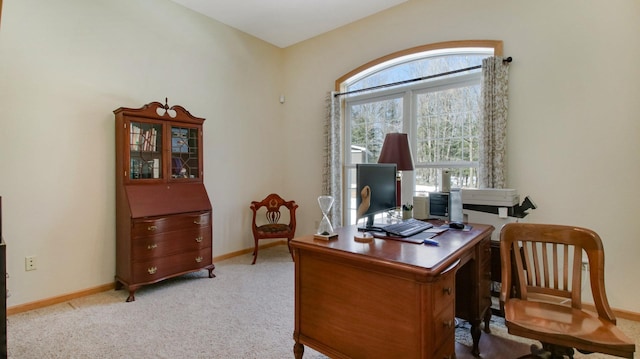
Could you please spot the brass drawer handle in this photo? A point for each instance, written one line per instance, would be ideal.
(198, 222)
(152, 228)
(447, 290)
(152, 270)
(198, 259)
(199, 239)
(447, 324)
(152, 246)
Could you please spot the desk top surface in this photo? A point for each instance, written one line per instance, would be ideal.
(452, 245)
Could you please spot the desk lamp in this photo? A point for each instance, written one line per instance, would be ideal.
(395, 149)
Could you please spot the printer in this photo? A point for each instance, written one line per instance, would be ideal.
(494, 206)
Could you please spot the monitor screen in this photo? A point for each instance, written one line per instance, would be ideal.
(375, 190)
(439, 205)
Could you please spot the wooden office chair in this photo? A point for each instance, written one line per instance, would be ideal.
(273, 229)
(543, 301)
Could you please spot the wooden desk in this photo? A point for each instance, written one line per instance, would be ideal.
(390, 299)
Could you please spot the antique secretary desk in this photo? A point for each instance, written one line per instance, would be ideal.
(163, 212)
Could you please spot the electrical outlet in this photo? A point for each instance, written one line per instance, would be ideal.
(30, 263)
(585, 266)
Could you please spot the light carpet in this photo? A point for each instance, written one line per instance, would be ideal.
(245, 312)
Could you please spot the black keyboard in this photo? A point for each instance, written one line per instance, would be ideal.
(407, 228)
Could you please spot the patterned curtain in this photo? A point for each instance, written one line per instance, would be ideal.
(332, 168)
(493, 130)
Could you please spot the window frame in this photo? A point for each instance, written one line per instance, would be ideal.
(408, 94)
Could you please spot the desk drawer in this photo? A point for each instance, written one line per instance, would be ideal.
(159, 268)
(167, 243)
(444, 292)
(143, 227)
(444, 325)
(484, 250)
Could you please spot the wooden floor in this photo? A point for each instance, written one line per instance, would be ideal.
(494, 347)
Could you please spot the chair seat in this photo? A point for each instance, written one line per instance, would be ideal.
(563, 325)
(274, 229)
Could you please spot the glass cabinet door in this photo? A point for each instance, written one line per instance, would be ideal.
(145, 150)
(185, 161)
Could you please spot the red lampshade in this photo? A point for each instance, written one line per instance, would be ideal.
(395, 149)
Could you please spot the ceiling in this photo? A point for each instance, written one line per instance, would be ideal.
(286, 22)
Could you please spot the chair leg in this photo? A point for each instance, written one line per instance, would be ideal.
(255, 251)
(487, 320)
(289, 246)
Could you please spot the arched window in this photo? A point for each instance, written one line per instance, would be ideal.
(431, 94)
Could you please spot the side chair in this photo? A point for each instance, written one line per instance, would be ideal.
(542, 288)
(273, 228)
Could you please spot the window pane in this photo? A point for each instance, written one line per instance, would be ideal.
(184, 152)
(351, 195)
(447, 123)
(429, 179)
(447, 137)
(145, 150)
(370, 122)
(417, 68)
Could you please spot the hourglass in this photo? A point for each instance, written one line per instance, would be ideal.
(325, 229)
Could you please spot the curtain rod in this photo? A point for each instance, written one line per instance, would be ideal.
(508, 59)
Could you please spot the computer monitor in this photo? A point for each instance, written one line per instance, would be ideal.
(439, 205)
(380, 178)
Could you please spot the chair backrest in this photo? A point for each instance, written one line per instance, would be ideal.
(547, 261)
(272, 203)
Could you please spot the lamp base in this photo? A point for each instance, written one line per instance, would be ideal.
(398, 190)
(363, 238)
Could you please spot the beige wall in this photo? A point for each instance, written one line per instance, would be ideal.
(574, 116)
(64, 67)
